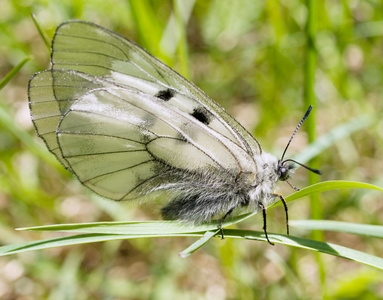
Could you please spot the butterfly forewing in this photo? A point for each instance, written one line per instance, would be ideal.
(97, 51)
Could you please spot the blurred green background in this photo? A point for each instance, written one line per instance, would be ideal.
(249, 56)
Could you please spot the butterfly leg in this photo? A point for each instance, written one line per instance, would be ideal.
(264, 222)
(223, 219)
(285, 205)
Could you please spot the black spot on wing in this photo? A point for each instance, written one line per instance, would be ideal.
(165, 95)
(202, 115)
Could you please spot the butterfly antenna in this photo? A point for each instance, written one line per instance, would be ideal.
(296, 129)
(316, 171)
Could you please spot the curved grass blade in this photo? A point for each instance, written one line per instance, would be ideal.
(327, 248)
(13, 72)
(71, 240)
(198, 244)
(329, 186)
(353, 228)
(156, 228)
(41, 32)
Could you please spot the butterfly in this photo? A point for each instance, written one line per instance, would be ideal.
(131, 128)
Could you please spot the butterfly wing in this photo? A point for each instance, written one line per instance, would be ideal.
(94, 50)
(126, 124)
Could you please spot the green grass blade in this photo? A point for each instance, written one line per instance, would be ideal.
(327, 248)
(149, 28)
(329, 186)
(69, 241)
(130, 227)
(13, 72)
(360, 229)
(198, 244)
(41, 32)
(307, 244)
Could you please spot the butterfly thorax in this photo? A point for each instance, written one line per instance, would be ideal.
(265, 180)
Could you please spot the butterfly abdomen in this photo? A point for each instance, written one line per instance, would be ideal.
(201, 207)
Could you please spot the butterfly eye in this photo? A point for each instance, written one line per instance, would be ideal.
(284, 170)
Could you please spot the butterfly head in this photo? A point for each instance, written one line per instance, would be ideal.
(286, 165)
(284, 170)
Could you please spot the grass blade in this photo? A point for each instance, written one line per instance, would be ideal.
(312, 245)
(326, 248)
(354, 228)
(13, 72)
(41, 32)
(198, 244)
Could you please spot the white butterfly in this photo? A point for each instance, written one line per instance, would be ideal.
(129, 127)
